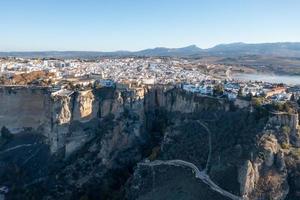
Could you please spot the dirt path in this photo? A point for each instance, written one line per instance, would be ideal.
(202, 175)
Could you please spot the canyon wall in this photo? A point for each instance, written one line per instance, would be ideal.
(53, 113)
(37, 109)
(271, 172)
(286, 119)
(114, 129)
(290, 121)
(177, 100)
(25, 107)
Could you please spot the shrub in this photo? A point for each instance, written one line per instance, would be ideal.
(257, 101)
(154, 154)
(286, 130)
(218, 89)
(285, 145)
(295, 152)
(5, 133)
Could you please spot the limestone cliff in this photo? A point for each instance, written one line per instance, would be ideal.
(265, 177)
(85, 107)
(60, 120)
(178, 100)
(52, 114)
(25, 107)
(103, 133)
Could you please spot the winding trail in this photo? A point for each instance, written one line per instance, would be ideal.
(209, 144)
(282, 113)
(228, 73)
(202, 175)
(31, 156)
(16, 147)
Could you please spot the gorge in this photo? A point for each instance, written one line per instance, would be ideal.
(107, 143)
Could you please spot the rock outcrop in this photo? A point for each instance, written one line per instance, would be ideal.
(85, 107)
(248, 177)
(266, 176)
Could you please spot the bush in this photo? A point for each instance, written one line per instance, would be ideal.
(295, 152)
(286, 130)
(218, 89)
(285, 145)
(154, 154)
(284, 107)
(257, 101)
(5, 133)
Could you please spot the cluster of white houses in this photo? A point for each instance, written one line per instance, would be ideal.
(233, 90)
(146, 71)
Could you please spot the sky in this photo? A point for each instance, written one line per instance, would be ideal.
(109, 25)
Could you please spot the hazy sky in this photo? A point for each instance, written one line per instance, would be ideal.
(106, 25)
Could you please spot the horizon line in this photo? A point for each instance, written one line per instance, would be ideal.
(157, 47)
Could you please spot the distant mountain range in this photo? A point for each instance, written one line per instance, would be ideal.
(285, 49)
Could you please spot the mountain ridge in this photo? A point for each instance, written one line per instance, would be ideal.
(287, 49)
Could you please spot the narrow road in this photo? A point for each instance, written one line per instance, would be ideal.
(228, 73)
(202, 175)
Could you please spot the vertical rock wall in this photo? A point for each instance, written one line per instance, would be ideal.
(290, 120)
(85, 106)
(53, 114)
(265, 177)
(177, 100)
(24, 107)
(61, 115)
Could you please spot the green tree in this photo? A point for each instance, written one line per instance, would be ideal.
(286, 130)
(219, 89)
(240, 94)
(257, 101)
(5, 133)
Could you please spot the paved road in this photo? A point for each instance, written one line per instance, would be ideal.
(198, 174)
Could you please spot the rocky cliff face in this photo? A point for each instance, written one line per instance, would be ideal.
(61, 114)
(290, 121)
(85, 107)
(249, 155)
(266, 176)
(104, 133)
(177, 100)
(51, 114)
(23, 107)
